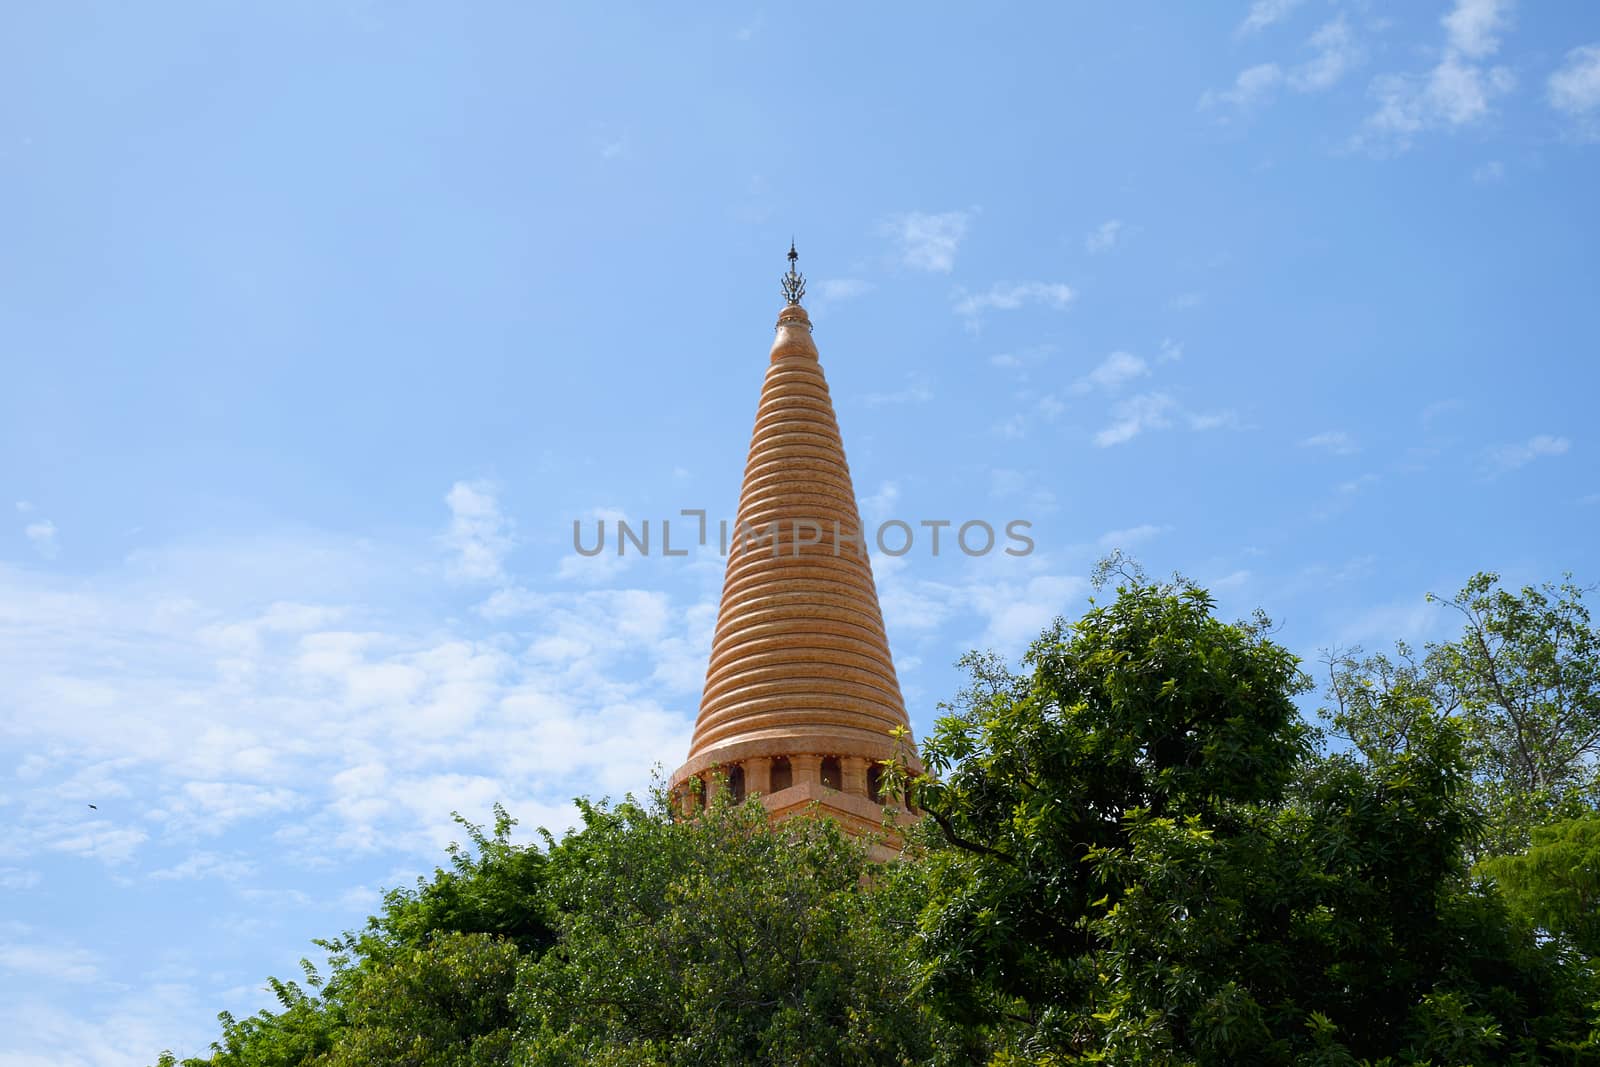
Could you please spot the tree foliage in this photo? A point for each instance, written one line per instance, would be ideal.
(1523, 682)
(1139, 852)
(1156, 868)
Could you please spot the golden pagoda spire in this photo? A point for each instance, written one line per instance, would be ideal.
(800, 696)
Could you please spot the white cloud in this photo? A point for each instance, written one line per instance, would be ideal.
(1004, 481)
(1133, 416)
(206, 865)
(479, 535)
(880, 505)
(1264, 13)
(1157, 411)
(1411, 619)
(1473, 27)
(1134, 535)
(1009, 296)
(1335, 54)
(202, 707)
(18, 878)
(916, 391)
(1013, 428)
(50, 962)
(929, 242)
(600, 526)
(1459, 90)
(1022, 359)
(1336, 441)
(1489, 172)
(1113, 372)
(210, 807)
(1103, 237)
(1233, 580)
(42, 535)
(837, 290)
(101, 840)
(1574, 88)
(1252, 86)
(1355, 485)
(1509, 457)
(1017, 612)
(1440, 408)
(1212, 420)
(1171, 351)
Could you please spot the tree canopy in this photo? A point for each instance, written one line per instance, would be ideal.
(1138, 850)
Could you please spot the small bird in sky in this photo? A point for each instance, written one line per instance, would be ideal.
(93, 807)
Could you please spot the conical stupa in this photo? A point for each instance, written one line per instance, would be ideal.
(801, 700)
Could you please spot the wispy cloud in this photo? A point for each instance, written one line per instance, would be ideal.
(1439, 408)
(1574, 89)
(42, 535)
(1357, 484)
(1507, 458)
(1020, 360)
(838, 290)
(206, 865)
(1457, 91)
(1252, 86)
(1337, 442)
(1009, 296)
(1158, 411)
(1227, 419)
(51, 962)
(479, 534)
(916, 391)
(1264, 13)
(1133, 535)
(880, 505)
(1231, 581)
(599, 569)
(1103, 237)
(1334, 53)
(748, 30)
(929, 242)
(1489, 172)
(1135, 415)
(19, 878)
(1112, 373)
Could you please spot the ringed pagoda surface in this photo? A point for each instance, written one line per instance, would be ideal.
(800, 660)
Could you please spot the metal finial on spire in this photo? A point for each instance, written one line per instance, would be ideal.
(794, 283)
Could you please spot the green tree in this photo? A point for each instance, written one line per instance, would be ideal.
(1151, 866)
(1525, 674)
(1555, 885)
(1523, 679)
(724, 940)
(444, 1005)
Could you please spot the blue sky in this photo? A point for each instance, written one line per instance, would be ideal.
(321, 323)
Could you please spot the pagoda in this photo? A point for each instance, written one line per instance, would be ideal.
(801, 705)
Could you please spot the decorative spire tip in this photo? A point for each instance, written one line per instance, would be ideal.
(794, 283)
